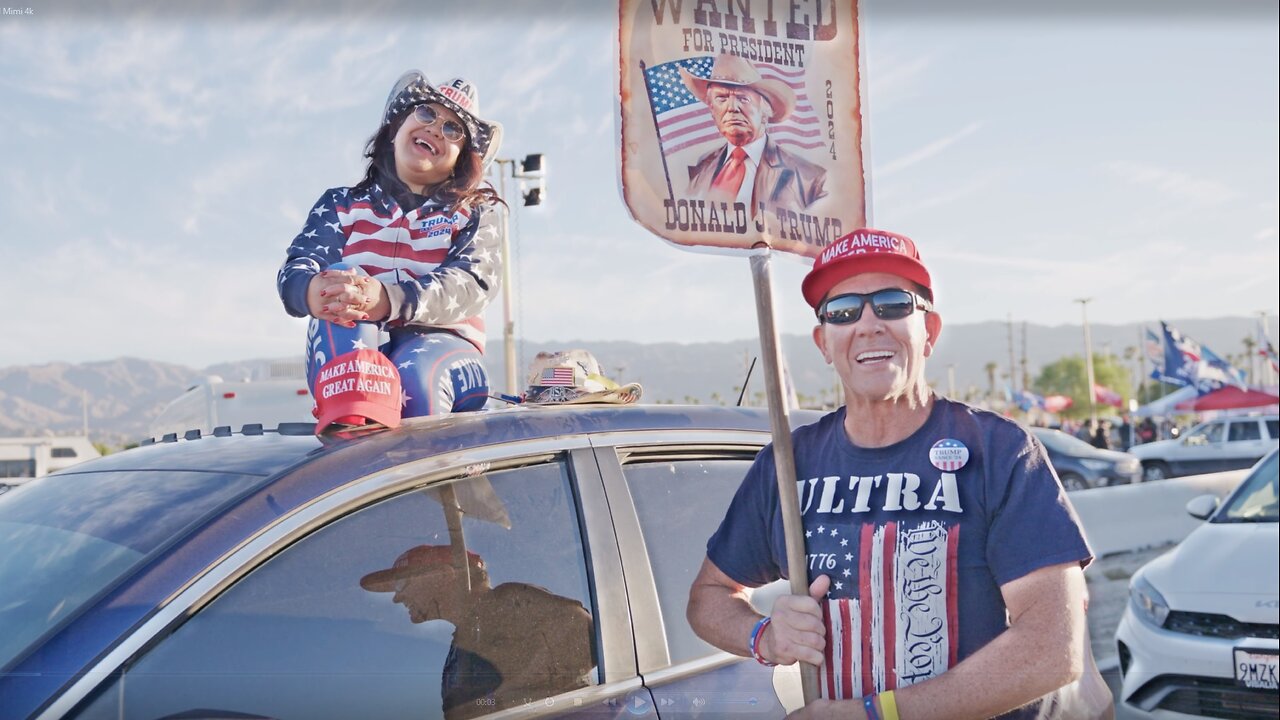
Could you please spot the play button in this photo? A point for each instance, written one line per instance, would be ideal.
(638, 704)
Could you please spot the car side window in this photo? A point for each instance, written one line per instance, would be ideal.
(1242, 430)
(454, 601)
(680, 504)
(1273, 428)
(1212, 433)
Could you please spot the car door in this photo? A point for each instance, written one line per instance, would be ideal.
(493, 584)
(1201, 451)
(1246, 443)
(668, 493)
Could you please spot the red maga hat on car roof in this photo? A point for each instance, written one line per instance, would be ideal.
(361, 382)
(865, 250)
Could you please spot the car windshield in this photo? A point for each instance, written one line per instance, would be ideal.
(1257, 499)
(1061, 442)
(66, 538)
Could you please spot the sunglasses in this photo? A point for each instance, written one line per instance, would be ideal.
(453, 131)
(888, 304)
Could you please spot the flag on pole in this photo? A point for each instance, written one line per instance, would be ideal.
(1027, 400)
(1265, 348)
(1107, 396)
(1154, 348)
(1187, 362)
(1057, 403)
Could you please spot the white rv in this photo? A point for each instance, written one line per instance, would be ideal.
(214, 402)
(24, 458)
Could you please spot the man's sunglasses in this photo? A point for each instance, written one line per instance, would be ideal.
(888, 304)
(427, 115)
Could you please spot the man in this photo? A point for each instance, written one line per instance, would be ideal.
(945, 563)
(510, 643)
(750, 168)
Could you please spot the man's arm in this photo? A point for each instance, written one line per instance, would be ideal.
(1042, 650)
(721, 613)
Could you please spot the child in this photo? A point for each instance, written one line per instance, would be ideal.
(413, 249)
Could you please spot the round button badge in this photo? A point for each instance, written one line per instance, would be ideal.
(948, 455)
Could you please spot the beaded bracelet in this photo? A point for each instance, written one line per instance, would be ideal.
(869, 704)
(753, 642)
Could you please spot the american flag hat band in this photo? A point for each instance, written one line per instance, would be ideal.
(574, 376)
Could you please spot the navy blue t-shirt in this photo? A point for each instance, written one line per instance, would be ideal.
(917, 538)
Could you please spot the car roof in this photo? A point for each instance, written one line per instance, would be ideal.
(268, 453)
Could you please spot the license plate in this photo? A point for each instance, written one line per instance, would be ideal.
(1257, 668)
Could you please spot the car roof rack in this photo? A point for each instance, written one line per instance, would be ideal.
(284, 428)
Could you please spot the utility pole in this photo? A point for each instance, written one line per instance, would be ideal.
(84, 407)
(1088, 360)
(531, 169)
(1026, 378)
(1268, 374)
(1142, 365)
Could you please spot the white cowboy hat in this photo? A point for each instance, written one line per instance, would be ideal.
(457, 94)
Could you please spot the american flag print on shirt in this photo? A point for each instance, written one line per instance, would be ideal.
(446, 261)
(684, 121)
(891, 614)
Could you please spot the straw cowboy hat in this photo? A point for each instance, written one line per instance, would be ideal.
(457, 94)
(571, 377)
(734, 71)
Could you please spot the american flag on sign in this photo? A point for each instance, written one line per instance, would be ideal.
(684, 121)
(558, 376)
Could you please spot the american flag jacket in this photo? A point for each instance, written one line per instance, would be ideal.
(440, 266)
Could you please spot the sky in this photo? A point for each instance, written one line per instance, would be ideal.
(158, 158)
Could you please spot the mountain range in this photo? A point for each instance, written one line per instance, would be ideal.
(117, 399)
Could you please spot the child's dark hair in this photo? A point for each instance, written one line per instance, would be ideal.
(461, 189)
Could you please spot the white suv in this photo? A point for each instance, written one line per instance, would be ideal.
(1229, 443)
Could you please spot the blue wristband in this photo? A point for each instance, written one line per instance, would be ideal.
(753, 641)
(869, 703)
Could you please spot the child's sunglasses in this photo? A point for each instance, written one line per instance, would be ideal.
(427, 115)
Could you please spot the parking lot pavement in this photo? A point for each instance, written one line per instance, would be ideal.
(1108, 582)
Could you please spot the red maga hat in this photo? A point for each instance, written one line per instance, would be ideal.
(361, 382)
(865, 250)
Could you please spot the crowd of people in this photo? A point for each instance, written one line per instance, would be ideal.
(1120, 433)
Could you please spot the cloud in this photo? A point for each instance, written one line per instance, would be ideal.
(1267, 232)
(928, 151)
(1173, 184)
(217, 184)
(892, 79)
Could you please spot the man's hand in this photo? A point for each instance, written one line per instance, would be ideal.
(346, 297)
(796, 631)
